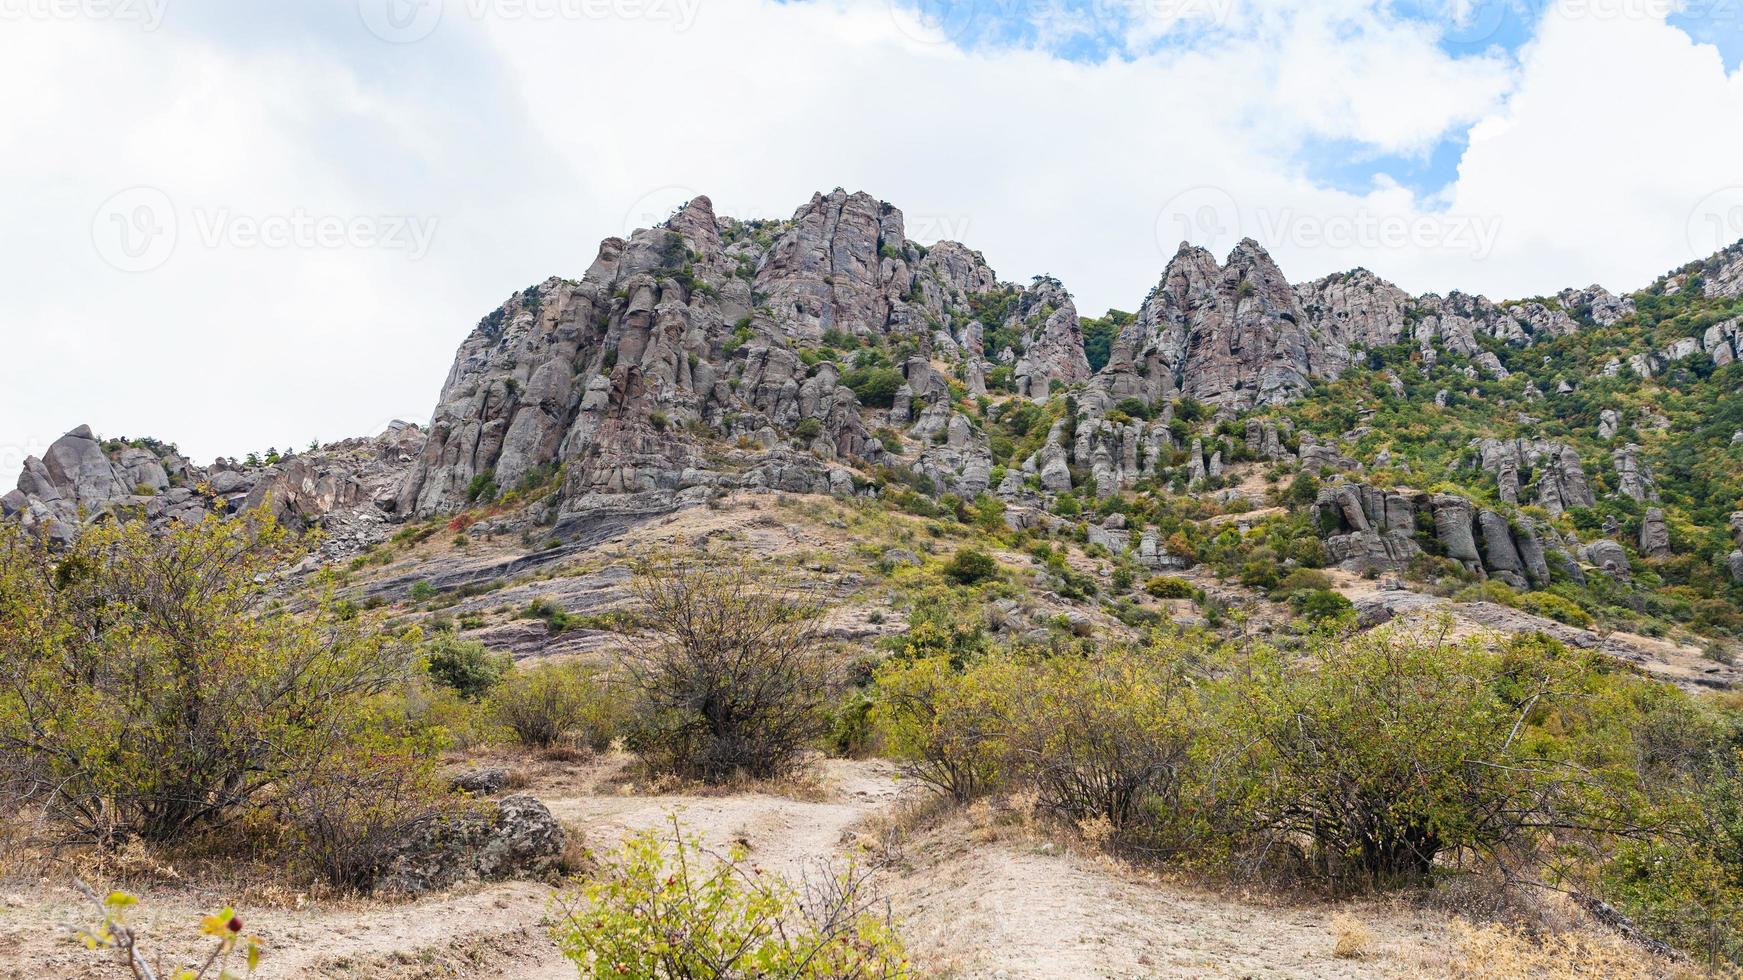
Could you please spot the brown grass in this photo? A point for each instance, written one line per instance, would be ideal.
(1353, 940)
(1500, 952)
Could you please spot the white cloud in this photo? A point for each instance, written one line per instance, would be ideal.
(526, 140)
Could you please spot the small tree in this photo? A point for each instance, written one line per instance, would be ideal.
(1381, 752)
(969, 567)
(947, 727)
(729, 674)
(150, 688)
(351, 812)
(1109, 736)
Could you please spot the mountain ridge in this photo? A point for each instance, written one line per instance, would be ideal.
(827, 353)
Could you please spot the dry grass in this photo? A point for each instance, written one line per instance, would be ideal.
(1353, 940)
(1500, 952)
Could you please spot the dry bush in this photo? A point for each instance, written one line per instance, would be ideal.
(730, 677)
(350, 815)
(1352, 938)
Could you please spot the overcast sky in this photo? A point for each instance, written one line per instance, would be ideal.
(236, 224)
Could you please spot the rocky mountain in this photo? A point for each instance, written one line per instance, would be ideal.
(828, 353)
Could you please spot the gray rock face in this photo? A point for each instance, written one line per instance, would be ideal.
(1052, 341)
(1366, 527)
(1723, 273)
(1453, 520)
(1609, 423)
(1233, 335)
(1608, 558)
(1597, 303)
(1500, 556)
(692, 333)
(1633, 477)
(1654, 534)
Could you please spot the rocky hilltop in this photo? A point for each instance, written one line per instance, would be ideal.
(828, 353)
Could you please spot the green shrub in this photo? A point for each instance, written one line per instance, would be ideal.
(1555, 607)
(1320, 604)
(464, 665)
(971, 567)
(349, 815)
(875, 387)
(665, 906)
(556, 702)
(555, 617)
(1110, 737)
(1381, 752)
(1170, 587)
(482, 488)
(945, 728)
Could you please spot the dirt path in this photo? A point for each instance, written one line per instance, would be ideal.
(1016, 910)
(973, 900)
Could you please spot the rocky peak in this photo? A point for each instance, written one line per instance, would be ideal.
(1231, 335)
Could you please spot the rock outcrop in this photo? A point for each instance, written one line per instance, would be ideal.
(347, 487)
(1554, 468)
(1370, 529)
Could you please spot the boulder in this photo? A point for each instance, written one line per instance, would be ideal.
(1608, 558)
(516, 837)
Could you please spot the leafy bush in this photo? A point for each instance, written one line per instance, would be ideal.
(729, 673)
(482, 488)
(150, 690)
(1320, 604)
(1170, 587)
(1109, 737)
(971, 567)
(946, 728)
(875, 387)
(1555, 607)
(464, 665)
(668, 907)
(550, 703)
(1380, 752)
